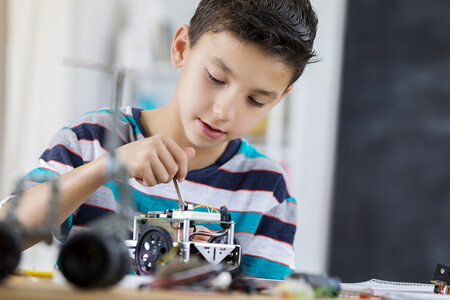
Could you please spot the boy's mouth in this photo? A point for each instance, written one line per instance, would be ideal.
(209, 131)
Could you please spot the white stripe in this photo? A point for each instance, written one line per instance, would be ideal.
(91, 150)
(103, 197)
(240, 163)
(57, 167)
(192, 192)
(271, 249)
(286, 212)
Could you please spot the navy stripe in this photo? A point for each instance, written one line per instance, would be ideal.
(255, 180)
(137, 119)
(63, 155)
(88, 214)
(276, 229)
(93, 132)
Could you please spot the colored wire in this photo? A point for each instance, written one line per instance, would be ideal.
(207, 206)
(207, 233)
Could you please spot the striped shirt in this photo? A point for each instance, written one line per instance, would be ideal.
(252, 186)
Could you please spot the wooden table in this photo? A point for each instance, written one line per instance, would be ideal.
(37, 288)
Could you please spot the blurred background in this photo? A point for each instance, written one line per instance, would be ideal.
(364, 135)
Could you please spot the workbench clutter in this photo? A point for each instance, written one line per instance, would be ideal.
(163, 252)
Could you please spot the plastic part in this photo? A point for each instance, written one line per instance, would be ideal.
(91, 260)
(10, 250)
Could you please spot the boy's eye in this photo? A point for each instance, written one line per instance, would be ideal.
(213, 79)
(254, 102)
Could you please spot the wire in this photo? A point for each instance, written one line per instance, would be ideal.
(207, 233)
(207, 206)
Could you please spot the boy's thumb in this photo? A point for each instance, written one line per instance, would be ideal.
(190, 152)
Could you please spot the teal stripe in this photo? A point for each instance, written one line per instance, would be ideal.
(41, 175)
(291, 200)
(133, 124)
(143, 202)
(108, 111)
(69, 222)
(246, 221)
(263, 268)
(249, 151)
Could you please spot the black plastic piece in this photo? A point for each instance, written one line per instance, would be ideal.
(224, 217)
(10, 250)
(91, 259)
(442, 273)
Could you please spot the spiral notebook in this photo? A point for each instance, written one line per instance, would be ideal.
(377, 287)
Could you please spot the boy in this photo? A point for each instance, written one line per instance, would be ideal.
(238, 59)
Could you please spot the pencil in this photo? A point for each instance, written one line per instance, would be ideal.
(47, 274)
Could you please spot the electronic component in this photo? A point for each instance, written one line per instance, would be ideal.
(158, 232)
(441, 279)
(323, 286)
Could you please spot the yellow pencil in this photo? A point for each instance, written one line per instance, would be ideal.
(47, 274)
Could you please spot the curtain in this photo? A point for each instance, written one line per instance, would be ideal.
(33, 107)
(3, 23)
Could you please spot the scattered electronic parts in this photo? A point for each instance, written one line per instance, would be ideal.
(323, 286)
(441, 279)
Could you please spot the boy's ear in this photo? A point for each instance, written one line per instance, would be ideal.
(180, 44)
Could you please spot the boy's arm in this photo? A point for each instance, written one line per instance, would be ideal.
(151, 161)
(74, 188)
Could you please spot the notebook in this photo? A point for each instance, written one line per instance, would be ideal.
(377, 287)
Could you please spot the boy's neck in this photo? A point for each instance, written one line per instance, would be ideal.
(165, 120)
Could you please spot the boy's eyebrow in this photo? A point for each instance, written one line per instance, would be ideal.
(270, 94)
(221, 64)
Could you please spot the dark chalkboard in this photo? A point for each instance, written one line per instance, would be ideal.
(392, 182)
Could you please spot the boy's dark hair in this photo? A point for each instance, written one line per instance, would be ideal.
(282, 28)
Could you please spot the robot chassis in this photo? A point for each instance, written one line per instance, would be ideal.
(153, 246)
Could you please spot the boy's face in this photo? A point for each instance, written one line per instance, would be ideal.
(226, 88)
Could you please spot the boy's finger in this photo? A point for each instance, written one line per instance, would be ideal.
(180, 157)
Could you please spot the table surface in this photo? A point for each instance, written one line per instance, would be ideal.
(36, 288)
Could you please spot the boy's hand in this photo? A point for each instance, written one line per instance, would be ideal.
(154, 160)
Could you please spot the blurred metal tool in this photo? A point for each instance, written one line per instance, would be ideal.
(182, 204)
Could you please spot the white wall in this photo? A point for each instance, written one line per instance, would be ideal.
(314, 114)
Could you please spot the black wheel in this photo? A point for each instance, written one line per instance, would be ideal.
(92, 260)
(10, 250)
(154, 243)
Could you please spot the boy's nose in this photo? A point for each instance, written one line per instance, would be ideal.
(225, 108)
